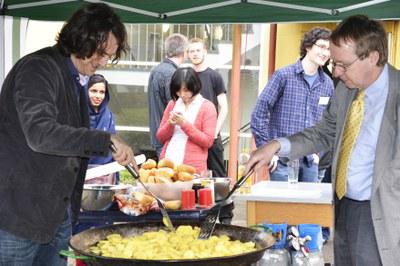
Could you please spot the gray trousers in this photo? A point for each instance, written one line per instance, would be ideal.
(354, 239)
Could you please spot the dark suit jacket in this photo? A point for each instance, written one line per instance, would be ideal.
(44, 145)
(385, 197)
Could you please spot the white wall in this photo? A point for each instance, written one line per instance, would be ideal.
(41, 34)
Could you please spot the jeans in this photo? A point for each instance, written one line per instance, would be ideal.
(306, 173)
(16, 251)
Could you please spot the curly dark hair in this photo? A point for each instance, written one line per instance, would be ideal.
(311, 37)
(368, 35)
(185, 76)
(87, 31)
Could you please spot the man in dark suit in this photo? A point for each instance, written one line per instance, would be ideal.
(365, 171)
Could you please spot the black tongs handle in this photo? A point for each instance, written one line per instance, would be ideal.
(128, 167)
(240, 182)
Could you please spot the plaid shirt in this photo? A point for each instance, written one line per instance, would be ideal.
(288, 105)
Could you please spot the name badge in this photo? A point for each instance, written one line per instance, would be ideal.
(323, 100)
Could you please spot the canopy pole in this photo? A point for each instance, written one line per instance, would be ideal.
(235, 102)
(263, 172)
(272, 50)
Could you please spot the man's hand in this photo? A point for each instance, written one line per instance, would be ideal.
(273, 163)
(315, 158)
(262, 155)
(123, 154)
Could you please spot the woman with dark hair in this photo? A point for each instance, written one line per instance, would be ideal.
(101, 118)
(188, 124)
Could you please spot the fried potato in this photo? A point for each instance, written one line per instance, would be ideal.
(163, 245)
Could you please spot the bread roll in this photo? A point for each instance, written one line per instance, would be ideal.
(184, 176)
(162, 179)
(186, 168)
(165, 171)
(153, 172)
(173, 204)
(144, 175)
(165, 163)
(149, 164)
(175, 177)
(151, 179)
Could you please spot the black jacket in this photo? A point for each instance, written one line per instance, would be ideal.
(44, 145)
(159, 95)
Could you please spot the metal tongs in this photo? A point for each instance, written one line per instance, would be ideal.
(207, 227)
(166, 220)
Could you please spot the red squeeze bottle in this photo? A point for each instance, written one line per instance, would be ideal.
(205, 198)
(188, 199)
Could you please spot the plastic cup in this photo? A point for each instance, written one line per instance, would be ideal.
(205, 198)
(293, 171)
(188, 199)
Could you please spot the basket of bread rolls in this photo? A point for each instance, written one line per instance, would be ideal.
(165, 179)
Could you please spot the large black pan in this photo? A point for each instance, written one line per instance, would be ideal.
(82, 241)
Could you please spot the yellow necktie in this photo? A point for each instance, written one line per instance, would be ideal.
(351, 130)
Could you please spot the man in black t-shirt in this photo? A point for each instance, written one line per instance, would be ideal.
(213, 89)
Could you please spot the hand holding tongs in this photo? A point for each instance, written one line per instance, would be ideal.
(207, 227)
(166, 220)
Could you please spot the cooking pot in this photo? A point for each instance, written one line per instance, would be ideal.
(97, 197)
(81, 242)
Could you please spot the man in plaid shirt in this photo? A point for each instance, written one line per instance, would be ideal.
(293, 100)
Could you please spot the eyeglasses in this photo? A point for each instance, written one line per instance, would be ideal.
(322, 47)
(105, 56)
(341, 66)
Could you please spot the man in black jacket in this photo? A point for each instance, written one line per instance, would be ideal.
(45, 138)
(159, 81)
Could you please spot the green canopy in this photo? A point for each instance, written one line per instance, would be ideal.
(210, 11)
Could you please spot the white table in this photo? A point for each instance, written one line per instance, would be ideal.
(280, 202)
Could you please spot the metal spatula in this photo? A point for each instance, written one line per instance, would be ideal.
(207, 227)
(166, 220)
